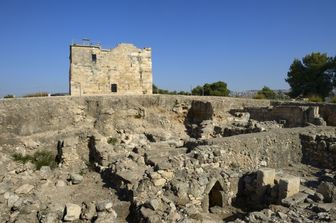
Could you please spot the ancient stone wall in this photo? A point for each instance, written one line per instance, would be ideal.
(319, 150)
(29, 116)
(125, 69)
(326, 111)
(289, 115)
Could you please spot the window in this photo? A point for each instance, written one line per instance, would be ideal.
(114, 87)
(94, 58)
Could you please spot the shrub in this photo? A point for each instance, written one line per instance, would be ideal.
(218, 88)
(39, 159)
(267, 92)
(112, 141)
(37, 94)
(333, 100)
(315, 98)
(9, 96)
(21, 158)
(44, 158)
(259, 96)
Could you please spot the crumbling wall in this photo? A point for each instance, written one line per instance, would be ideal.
(274, 149)
(27, 116)
(319, 150)
(326, 110)
(289, 115)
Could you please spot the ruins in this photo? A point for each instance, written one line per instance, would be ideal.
(166, 158)
(123, 70)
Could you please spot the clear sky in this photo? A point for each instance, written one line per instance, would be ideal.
(246, 43)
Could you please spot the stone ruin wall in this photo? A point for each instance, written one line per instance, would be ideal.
(319, 150)
(206, 171)
(326, 111)
(94, 70)
(30, 116)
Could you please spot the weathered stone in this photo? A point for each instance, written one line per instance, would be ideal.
(11, 199)
(325, 207)
(76, 178)
(258, 217)
(106, 217)
(50, 217)
(168, 175)
(88, 211)
(328, 190)
(45, 172)
(72, 212)
(281, 215)
(24, 189)
(60, 183)
(288, 186)
(294, 199)
(323, 216)
(265, 176)
(318, 197)
(105, 205)
(159, 182)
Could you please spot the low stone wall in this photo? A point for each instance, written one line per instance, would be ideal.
(27, 116)
(327, 111)
(289, 115)
(319, 150)
(274, 149)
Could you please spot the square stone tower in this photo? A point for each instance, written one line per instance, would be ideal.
(123, 70)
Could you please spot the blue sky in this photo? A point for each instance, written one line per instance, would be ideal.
(246, 43)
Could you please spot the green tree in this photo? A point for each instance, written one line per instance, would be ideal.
(314, 75)
(157, 90)
(218, 88)
(266, 93)
(197, 90)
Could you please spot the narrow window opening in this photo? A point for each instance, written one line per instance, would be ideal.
(114, 87)
(94, 58)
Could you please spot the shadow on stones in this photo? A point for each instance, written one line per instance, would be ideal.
(110, 180)
(198, 112)
(247, 199)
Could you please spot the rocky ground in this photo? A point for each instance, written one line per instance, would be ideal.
(186, 161)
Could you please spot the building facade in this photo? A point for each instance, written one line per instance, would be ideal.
(123, 70)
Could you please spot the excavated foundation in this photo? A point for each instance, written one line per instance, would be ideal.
(167, 159)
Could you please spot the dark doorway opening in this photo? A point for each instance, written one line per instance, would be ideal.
(215, 196)
(114, 87)
(94, 58)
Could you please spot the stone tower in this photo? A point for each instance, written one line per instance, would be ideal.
(123, 70)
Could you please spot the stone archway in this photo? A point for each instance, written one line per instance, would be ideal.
(216, 196)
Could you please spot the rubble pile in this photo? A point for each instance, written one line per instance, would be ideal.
(166, 159)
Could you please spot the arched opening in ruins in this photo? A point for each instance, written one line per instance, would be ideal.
(216, 196)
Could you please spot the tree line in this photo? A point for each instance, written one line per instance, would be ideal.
(313, 77)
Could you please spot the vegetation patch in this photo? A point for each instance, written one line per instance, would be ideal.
(39, 159)
(112, 141)
(9, 96)
(333, 100)
(37, 94)
(315, 98)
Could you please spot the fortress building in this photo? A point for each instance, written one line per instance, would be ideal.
(123, 70)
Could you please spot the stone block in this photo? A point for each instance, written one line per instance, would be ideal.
(294, 200)
(265, 176)
(288, 186)
(24, 189)
(72, 211)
